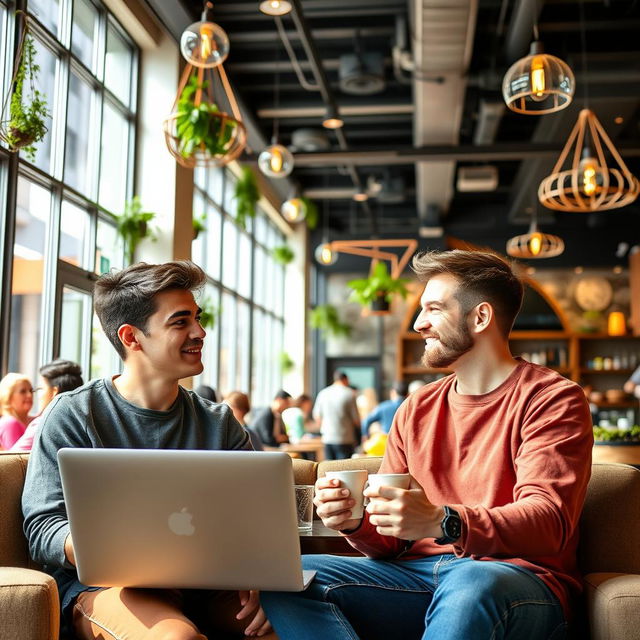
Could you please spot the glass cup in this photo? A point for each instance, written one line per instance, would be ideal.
(304, 506)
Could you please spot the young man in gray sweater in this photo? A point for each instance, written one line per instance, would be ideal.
(149, 314)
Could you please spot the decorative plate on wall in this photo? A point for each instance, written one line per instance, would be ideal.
(593, 293)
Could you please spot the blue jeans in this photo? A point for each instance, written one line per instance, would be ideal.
(434, 598)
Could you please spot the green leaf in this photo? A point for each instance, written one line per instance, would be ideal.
(325, 318)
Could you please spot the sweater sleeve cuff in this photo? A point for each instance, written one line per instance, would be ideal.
(57, 544)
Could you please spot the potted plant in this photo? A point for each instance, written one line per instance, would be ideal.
(378, 289)
(200, 126)
(247, 195)
(199, 224)
(283, 255)
(325, 318)
(208, 313)
(311, 213)
(27, 113)
(133, 226)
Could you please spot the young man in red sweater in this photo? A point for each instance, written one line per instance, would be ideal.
(482, 545)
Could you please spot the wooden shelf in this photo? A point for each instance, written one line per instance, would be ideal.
(623, 404)
(624, 372)
(424, 370)
(538, 335)
(603, 336)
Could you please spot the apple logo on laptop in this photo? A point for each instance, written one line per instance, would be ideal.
(180, 523)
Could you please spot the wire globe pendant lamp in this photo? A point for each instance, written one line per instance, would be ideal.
(538, 83)
(535, 244)
(586, 183)
(198, 132)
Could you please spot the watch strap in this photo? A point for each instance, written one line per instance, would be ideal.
(451, 526)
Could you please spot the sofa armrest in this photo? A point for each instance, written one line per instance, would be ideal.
(613, 605)
(29, 604)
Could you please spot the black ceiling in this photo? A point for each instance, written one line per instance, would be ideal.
(386, 121)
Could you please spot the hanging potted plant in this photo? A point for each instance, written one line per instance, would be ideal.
(378, 289)
(287, 365)
(133, 226)
(246, 195)
(199, 223)
(325, 318)
(28, 111)
(283, 255)
(311, 215)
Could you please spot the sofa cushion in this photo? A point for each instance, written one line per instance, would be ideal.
(613, 603)
(14, 551)
(29, 605)
(369, 463)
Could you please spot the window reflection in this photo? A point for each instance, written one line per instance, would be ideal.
(75, 228)
(109, 248)
(47, 12)
(79, 163)
(113, 160)
(84, 34)
(118, 66)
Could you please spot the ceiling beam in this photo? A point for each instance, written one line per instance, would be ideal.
(439, 153)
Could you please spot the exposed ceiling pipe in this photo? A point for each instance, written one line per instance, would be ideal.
(325, 91)
(525, 14)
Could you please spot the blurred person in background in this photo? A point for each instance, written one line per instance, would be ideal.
(240, 405)
(268, 420)
(16, 401)
(207, 392)
(295, 417)
(384, 412)
(56, 377)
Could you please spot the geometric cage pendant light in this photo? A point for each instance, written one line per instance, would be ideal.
(588, 184)
(538, 83)
(535, 244)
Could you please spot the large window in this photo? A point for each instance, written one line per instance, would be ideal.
(245, 285)
(81, 176)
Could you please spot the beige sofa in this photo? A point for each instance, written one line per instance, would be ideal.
(609, 553)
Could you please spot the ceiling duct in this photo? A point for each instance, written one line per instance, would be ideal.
(477, 179)
(309, 140)
(362, 74)
(392, 190)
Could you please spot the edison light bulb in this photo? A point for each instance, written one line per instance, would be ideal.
(294, 209)
(538, 86)
(276, 161)
(204, 44)
(589, 175)
(325, 255)
(535, 243)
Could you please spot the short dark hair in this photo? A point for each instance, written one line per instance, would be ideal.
(401, 388)
(62, 374)
(338, 374)
(207, 392)
(129, 296)
(238, 400)
(483, 277)
(281, 394)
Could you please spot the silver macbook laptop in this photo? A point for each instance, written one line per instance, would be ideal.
(183, 519)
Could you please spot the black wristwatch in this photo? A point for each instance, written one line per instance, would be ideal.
(451, 526)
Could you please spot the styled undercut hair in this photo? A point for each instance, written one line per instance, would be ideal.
(129, 296)
(483, 277)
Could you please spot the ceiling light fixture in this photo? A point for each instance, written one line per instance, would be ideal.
(588, 183)
(275, 7)
(538, 83)
(535, 244)
(294, 208)
(360, 196)
(325, 254)
(332, 119)
(204, 44)
(276, 161)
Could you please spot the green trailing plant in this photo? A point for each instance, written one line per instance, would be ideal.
(286, 363)
(199, 224)
(325, 318)
(27, 113)
(208, 314)
(197, 126)
(247, 195)
(133, 226)
(311, 213)
(379, 285)
(283, 255)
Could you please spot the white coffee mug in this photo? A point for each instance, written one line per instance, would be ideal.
(399, 480)
(354, 481)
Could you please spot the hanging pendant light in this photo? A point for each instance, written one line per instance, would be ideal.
(276, 161)
(535, 244)
(275, 7)
(539, 83)
(325, 254)
(294, 208)
(588, 183)
(204, 44)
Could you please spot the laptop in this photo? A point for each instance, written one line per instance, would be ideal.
(183, 519)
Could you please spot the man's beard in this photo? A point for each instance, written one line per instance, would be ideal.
(448, 349)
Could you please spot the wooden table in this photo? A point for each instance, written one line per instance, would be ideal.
(320, 539)
(313, 446)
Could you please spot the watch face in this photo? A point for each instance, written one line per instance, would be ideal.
(593, 293)
(452, 527)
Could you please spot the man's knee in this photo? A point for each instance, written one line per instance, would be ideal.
(177, 633)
